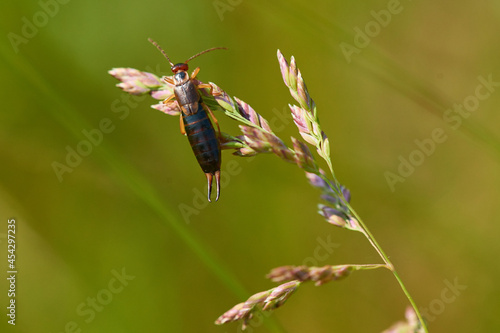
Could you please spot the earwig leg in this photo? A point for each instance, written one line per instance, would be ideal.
(205, 85)
(217, 180)
(209, 180)
(183, 130)
(165, 101)
(195, 72)
(169, 80)
(209, 87)
(213, 118)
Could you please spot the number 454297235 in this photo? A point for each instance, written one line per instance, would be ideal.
(11, 240)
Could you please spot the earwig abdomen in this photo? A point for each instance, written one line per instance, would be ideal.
(203, 140)
(205, 145)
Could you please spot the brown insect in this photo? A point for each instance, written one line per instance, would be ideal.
(194, 118)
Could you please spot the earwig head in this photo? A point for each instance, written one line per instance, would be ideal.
(181, 66)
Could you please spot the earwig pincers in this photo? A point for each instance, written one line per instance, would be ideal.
(194, 118)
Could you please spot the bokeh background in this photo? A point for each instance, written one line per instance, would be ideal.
(121, 208)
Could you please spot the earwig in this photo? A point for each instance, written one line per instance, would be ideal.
(194, 118)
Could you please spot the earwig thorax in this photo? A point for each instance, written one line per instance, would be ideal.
(180, 77)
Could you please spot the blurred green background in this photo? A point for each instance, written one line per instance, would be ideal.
(120, 207)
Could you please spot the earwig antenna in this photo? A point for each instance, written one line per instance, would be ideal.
(163, 52)
(202, 52)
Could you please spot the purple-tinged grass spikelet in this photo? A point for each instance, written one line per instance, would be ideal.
(317, 181)
(170, 108)
(292, 78)
(304, 116)
(162, 94)
(333, 216)
(249, 113)
(283, 67)
(134, 81)
(303, 156)
(319, 275)
(265, 300)
(223, 99)
(335, 210)
(303, 96)
(265, 142)
(305, 125)
(280, 295)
